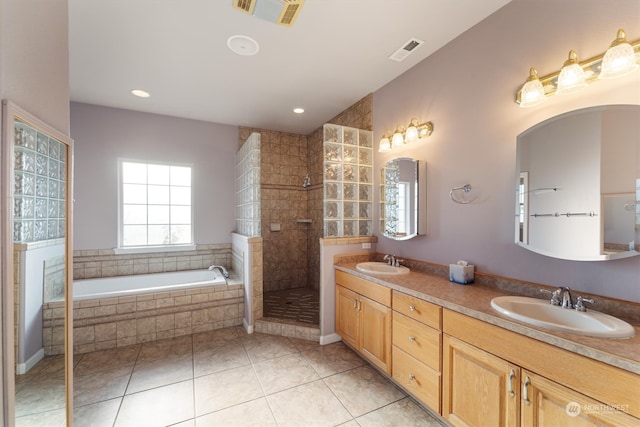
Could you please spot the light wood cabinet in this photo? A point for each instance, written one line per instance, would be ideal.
(496, 381)
(417, 348)
(363, 318)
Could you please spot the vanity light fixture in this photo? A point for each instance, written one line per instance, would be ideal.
(620, 59)
(401, 136)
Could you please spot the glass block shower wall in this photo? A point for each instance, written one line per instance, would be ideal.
(39, 185)
(248, 187)
(348, 181)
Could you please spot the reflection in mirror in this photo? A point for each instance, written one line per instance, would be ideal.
(39, 160)
(577, 187)
(403, 199)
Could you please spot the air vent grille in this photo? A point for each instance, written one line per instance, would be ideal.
(244, 5)
(406, 49)
(289, 14)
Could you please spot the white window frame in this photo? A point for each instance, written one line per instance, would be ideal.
(121, 249)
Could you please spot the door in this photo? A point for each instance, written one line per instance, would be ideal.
(375, 333)
(347, 315)
(479, 389)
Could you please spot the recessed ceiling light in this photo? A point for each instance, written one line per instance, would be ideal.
(140, 93)
(298, 110)
(243, 45)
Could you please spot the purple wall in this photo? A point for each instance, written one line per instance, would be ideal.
(102, 135)
(468, 89)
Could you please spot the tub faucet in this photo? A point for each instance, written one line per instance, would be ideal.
(223, 270)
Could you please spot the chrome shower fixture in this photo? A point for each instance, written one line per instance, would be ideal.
(307, 182)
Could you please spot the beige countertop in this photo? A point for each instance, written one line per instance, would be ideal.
(474, 301)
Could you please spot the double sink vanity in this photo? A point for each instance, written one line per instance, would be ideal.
(479, 357)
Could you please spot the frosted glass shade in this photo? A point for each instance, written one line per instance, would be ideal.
(619, 60)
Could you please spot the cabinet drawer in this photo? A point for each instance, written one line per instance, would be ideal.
(422, 311)
(417, 378)
(371, 290)
(418, 340)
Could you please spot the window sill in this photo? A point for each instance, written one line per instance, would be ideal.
(153, 249)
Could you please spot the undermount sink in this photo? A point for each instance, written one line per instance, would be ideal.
(541, 313)
(381, 268)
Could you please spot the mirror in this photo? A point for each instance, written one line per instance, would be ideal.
(403, 199)
(37, 181)
(578, 185)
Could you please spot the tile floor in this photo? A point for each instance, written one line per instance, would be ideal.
(296, 305)
(219, 378)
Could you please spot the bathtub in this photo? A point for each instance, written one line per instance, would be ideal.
(118, 286)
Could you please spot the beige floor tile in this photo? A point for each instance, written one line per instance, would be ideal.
(403, 413)
(166, 348)
(224, 389)
(264, 347)
(284, 372)
(40, 395)
(55, 418)
(255, 413)
(101, 414)
(100, 385)
(157, 407)
(332, 359)
(215, 338)
(188, 423)
(218, 359)
(309, 405)
(157, 373)
(363, 390)
(105, 360)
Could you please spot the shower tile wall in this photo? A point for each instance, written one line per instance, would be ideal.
(285, 161)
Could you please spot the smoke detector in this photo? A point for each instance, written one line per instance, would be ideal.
(281, 12)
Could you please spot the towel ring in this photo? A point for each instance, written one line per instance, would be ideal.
(465, 188)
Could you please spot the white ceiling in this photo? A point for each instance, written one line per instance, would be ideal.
(335, 54)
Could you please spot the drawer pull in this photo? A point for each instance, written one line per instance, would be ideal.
(412, 377)
(355, 303)
(412, 308)
(525, 391)
(512, 375)
(412, 339)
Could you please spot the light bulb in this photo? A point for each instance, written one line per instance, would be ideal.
(620, 59)
(385, 144)
(411, 134)
(398, 139)
(532, 92)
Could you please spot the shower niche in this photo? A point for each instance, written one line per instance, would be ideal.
(348, 181)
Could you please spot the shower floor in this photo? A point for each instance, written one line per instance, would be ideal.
(294, 305)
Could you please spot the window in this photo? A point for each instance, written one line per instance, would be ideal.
(155, 205)
(403, 205)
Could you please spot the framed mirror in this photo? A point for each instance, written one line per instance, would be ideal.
(37, 273)
(403, 199)
(578, 185)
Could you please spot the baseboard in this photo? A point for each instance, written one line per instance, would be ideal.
(247, 327)
(329, 339)
(23, 368)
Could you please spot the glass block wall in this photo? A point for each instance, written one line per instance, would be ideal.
(348, 181)
(248, 187)
(39, 180)
(389, 198)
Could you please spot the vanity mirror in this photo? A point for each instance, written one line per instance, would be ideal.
(403, 199)
(578, 185)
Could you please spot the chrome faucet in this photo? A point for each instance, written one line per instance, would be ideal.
(391, 259)
(565, 297)
(223, 270)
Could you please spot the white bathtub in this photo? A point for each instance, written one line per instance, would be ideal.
(108, 287)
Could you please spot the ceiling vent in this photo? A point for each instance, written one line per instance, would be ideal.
(281, 12)
(406, 49)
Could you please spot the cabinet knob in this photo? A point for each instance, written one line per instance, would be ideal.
(412, 339)
(412, 308)
(412, 377)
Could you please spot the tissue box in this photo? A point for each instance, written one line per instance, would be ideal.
(462, 274)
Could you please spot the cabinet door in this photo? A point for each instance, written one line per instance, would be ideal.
(375, 333)
(546, 403)
(347, 315)
(479, 389)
